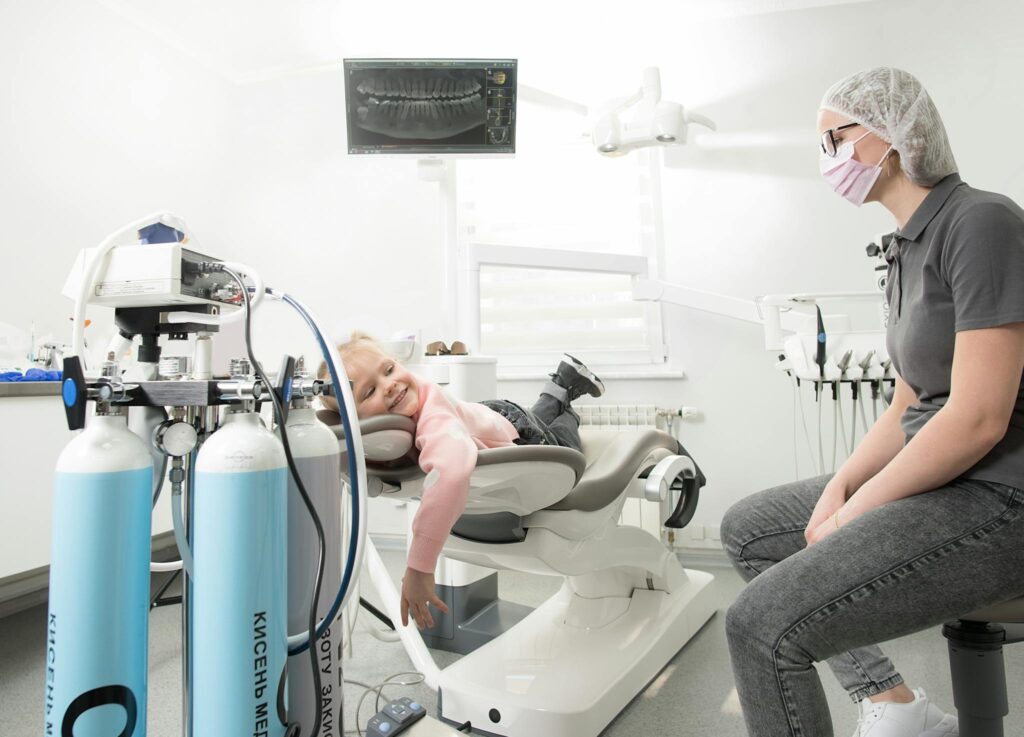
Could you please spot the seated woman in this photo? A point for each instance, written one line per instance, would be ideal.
(448, 434)
(923, 523)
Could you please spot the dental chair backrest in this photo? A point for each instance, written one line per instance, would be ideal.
(610, 461)
(389, 444)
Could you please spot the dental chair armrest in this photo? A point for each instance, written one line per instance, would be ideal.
(686, 505)
(674, 483)
(533, 454)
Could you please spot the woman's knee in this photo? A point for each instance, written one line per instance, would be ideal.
(747, 617)
(738, 526)
(760, 621)
(784, 507)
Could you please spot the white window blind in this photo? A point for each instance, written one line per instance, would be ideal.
(531, 316)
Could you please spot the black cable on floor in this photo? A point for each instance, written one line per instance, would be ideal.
(377, 613)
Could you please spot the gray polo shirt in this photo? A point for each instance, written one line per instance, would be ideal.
(957, 265)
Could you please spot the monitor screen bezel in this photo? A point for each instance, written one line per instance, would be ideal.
(426, 152)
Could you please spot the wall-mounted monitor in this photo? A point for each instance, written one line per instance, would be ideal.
(431, 107)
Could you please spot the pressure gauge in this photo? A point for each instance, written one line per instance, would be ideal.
(175, 438)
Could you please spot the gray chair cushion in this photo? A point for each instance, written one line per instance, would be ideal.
(614, 467)
(406, 468)
(370, 425)
(601, 475)
(534, 454)
(387, 440)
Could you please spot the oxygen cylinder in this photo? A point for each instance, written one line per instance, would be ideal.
(316, 453)
(239, 598)
(97, 626)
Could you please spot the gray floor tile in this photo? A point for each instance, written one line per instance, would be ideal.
(693, 696)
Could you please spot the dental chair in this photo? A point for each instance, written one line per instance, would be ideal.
(976, 665)
(626, 605)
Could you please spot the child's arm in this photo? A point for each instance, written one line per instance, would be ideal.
(448, 457)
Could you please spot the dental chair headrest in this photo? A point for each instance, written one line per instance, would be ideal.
(386, 438)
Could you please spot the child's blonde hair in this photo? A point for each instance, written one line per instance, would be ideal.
(357, 342)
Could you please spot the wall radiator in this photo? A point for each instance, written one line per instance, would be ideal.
(622, 417)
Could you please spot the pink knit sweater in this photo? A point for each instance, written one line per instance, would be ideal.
(448, 434)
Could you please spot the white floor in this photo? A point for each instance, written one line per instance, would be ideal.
(693, 696)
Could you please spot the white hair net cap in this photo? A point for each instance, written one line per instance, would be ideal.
(895, 106)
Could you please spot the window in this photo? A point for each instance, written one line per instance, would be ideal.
(535, 304)
(553, 240)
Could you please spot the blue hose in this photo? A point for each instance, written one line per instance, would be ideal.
(349, 572)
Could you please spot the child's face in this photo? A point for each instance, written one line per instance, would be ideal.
(381, 385)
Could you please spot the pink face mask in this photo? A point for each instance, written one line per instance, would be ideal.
(848, 177)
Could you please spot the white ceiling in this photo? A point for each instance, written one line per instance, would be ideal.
(249, 40)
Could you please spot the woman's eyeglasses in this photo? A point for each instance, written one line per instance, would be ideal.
(829, 147)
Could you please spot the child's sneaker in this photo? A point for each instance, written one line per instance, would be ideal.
(577, 379)
(919, 718)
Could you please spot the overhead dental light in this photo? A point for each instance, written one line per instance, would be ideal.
(655, 122)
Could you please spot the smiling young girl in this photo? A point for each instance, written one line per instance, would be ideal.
(449, 432)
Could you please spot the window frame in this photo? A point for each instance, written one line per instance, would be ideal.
(477, 254)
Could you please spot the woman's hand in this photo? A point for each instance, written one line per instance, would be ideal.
(831, 500)
(843, 515)
(417, 595)
(826, 528)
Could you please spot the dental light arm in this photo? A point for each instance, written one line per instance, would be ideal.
(771, 307)
(655, 121)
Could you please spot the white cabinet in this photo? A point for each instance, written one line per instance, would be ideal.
(33, 432)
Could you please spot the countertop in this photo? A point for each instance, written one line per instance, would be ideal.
(29, 388)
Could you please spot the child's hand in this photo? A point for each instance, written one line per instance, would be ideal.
(417, 594)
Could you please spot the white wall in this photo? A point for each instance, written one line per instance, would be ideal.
(357, 239)
(101, 121)
(756, 220)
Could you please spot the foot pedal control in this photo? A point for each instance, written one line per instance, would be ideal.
(406, 717)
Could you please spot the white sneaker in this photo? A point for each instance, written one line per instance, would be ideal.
(919, 718)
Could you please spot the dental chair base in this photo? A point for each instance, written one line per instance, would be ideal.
(475, 616)
(571, 666)
(626, 606)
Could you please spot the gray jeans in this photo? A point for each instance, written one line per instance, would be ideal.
(547, 422)
(903, 567)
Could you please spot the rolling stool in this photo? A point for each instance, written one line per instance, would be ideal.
(976, 665)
